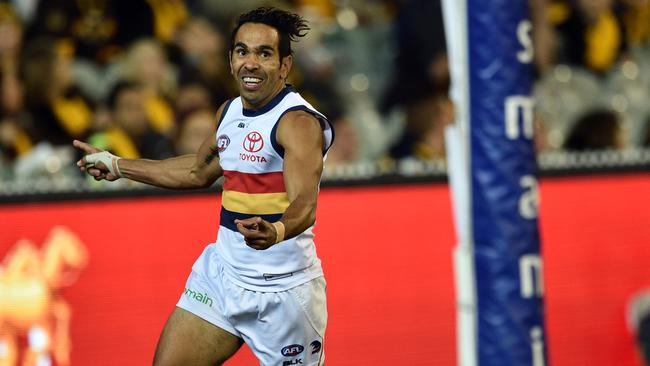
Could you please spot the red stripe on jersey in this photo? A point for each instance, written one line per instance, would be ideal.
(253, 183)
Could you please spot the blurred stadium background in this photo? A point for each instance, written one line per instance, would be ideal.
(144, 79)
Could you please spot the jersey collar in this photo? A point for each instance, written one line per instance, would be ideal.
(271, 104)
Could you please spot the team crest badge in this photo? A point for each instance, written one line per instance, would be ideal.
(222, 142)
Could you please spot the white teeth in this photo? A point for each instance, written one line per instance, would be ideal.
(248, 79)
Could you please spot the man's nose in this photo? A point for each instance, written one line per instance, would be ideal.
(251, 63)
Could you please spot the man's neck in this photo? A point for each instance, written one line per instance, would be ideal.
(266, 101)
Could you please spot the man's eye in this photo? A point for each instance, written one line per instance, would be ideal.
(241, 52)
(265, 54)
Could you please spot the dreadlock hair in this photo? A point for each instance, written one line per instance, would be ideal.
(289, 26)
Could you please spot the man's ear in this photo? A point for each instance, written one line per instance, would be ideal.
(285, 66)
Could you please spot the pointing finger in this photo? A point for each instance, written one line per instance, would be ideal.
(86, 147)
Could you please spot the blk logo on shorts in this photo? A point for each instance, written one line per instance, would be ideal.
(292, 350)
(315, 347)
(297, 361)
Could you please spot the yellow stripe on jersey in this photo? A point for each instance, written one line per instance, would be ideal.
(255, 203)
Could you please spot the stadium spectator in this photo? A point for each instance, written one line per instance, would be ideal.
(146, 64)
(591, 33)
(130, 133)
(431, 144)
(223, 12)
(60, 111)
(543, 36)
(11, 40)
(192, 131)
(421, 73)
(169, 16)
(16, 129)
(98, 30)
(605, 42)
(646, 134)
(200, 50)
(598, 129)
(636, 21)
(345, 148)
(192, 96)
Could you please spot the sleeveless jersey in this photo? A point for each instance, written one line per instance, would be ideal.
(252, 162)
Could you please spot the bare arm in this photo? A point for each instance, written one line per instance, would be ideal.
(182, 172)
(302, 138)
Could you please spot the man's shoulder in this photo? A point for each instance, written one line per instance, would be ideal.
(298, 117)
(226, 107)
(299, 112)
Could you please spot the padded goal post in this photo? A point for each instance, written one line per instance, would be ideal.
(492, 169)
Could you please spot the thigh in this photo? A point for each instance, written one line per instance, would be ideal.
(189, 340)
(289, 326)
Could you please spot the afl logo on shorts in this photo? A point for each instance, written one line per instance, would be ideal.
(222, 142)
(253, 142)
(292, 350)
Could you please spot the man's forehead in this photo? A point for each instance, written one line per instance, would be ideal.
(257, 34)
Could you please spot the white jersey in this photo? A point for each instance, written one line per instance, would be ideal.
(252, 161)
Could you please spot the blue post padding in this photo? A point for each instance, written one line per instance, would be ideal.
(503, 179)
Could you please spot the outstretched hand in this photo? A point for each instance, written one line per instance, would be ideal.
(97, 168)
(258, 233)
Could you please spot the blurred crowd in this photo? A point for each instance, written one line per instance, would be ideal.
(594, 74)
(143, 78)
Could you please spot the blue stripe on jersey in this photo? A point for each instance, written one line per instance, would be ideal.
(321, 119)
(225, 110)
(228, 218)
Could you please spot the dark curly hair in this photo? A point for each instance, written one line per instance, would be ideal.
(289, 25)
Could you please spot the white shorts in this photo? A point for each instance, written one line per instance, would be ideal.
(281, 328)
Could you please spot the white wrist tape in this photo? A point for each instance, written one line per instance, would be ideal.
(279, 231)
(108, 159)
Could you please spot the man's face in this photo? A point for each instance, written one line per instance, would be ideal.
(255, 63)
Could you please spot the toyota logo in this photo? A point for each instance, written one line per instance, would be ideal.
(253, 142)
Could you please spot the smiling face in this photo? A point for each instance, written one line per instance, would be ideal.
(256, 66)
